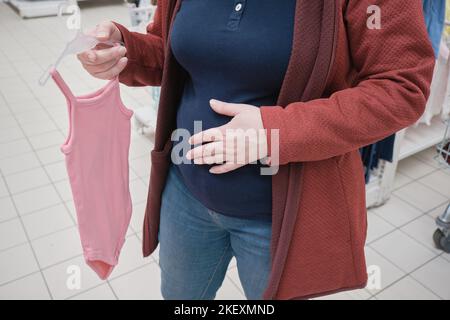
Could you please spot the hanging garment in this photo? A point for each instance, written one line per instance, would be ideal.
(434, 12)
(96, 154)
(439, 84)
(372, 154)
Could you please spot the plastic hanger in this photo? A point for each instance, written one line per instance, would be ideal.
(82, 42)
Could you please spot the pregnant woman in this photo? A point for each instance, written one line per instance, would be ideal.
(320, 79)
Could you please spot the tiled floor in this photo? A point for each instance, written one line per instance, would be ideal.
(38, 235)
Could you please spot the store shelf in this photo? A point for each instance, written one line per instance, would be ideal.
(421, 137)
(33, 9)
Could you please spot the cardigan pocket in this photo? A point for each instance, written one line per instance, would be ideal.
(160, 165)
(163, 155)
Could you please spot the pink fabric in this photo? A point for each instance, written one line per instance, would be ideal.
(96, 153)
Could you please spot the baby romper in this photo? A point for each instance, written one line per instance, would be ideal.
(96, 154)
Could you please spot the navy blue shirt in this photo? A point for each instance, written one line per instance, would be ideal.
(235, 51)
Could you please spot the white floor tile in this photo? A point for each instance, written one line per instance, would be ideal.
(403, 251)
(57, 99)
(13, 97)
(57, 171)
(132, 174)
(377, 227)
(4, 110)
(420, 196)
(229, 291)
(138, 191)
(141, 165)
(62, 279)
(387, 271)
(3, 190)
(422, 230)
(50, 155)
(141, 284)
(10, 134)
(6, 70)
(407, 289)
(233, 274)
(102, 292)
(7, 210)
(35, 115)
(401, 180)
(64, 190)
(437, 212)
(57, 247)
(31, 287)
(19, 163)
(137, 217)
(48, 139)
(16, 262)
(25, 106)
(414, 168)
(37, 128)
(27, 180)
(140, 147)
(71, 207)
(11, 233)
(47, 221)
(8, 122)
(435, 275)
(398, 212)
(36, 199)
(130, 257)
(427, 156)
(438, 181)
(14, 148)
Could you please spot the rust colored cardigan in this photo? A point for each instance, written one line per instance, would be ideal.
(346, 86)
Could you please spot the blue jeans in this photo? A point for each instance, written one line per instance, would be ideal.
(197, 244)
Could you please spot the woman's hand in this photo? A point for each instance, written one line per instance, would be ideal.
(105, 62)
(233, 145)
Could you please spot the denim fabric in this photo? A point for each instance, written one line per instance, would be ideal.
(434, 11)
(197, 244)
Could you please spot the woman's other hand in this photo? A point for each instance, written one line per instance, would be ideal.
(233, 145)
(105, 62)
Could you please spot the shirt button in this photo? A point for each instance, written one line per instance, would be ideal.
(238, 7)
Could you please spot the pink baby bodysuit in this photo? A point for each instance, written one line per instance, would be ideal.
(96, 153)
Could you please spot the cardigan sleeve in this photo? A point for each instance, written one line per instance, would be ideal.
(394, 65)
(145, 53)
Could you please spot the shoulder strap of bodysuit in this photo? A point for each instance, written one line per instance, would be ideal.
(61, 84)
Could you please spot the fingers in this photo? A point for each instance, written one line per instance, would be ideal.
(224, 168)
(114, 71)
(107, 31)
(105, 63)
(97, 57)
(210, 135)
(98, 68)
(229, 109)
(211, 151)
(104, 31)
(214, 159)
